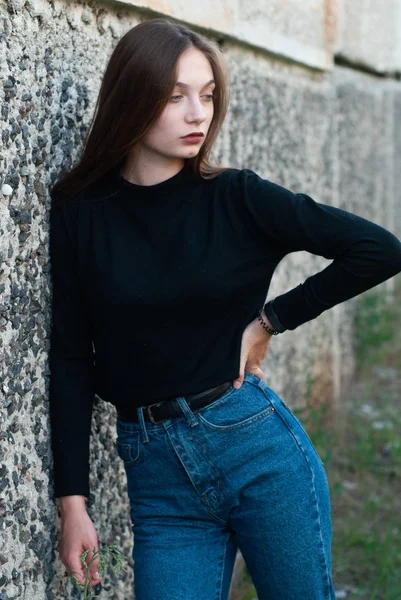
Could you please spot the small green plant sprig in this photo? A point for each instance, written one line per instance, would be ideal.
(104, 555)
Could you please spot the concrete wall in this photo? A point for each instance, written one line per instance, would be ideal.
(370, 35)
(310, 110)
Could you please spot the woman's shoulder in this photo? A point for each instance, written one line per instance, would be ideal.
(228, 179)
(71, 214)
(236, 176)
(65, 207)
(251, 184)
(241, 181)
(71, 198)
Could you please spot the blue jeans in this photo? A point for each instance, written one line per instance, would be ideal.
(238, 473)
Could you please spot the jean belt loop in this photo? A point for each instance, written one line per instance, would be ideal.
(189, 415)
(142, 423)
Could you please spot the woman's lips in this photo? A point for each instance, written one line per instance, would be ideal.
(192, 138)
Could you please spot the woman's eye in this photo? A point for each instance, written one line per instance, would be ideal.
(207, 96)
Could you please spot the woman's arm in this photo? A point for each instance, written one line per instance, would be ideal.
(71, 361)
(365, 254)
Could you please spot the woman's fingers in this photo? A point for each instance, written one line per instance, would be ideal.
(74, 567)
(254, 346)
(238, 382)
(253, 369)
(257, 371)
(95, 576)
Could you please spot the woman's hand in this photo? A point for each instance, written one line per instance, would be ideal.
(254, 346)
(77, 535)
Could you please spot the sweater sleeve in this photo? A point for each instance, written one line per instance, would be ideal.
(71, 359)
(365, 254)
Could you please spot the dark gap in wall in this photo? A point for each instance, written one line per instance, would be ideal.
(344, 61)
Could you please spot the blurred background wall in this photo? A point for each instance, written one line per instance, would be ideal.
(315, 106)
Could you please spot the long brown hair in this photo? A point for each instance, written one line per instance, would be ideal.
(136, 86)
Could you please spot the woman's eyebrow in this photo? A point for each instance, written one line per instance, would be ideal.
(185, 85)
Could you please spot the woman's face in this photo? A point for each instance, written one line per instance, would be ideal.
(189, 109)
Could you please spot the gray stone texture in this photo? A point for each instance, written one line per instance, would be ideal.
(331, 132)
(299, 31)
(369, 34)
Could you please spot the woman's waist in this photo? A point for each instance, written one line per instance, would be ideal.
(131, 392)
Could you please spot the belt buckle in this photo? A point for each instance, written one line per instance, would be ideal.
(150, 414)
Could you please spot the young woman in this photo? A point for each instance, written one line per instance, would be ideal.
(161, 265)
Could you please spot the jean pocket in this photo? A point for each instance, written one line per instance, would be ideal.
(237, 408)
(298, 422)
(130, 450)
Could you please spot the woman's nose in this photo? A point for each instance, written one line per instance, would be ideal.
(196, 113)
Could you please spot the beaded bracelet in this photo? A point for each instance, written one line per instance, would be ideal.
(271, 331)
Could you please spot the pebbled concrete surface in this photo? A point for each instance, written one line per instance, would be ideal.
(334, 135)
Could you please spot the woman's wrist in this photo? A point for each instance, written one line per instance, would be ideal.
(267, 326)
(71, 504)
(271, 315)
(266, 320)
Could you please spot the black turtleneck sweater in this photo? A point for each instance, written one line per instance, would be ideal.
(154, 285)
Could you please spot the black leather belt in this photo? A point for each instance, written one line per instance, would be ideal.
(166, 409)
